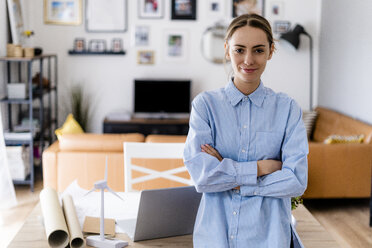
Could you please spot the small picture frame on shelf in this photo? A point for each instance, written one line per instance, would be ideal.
(97, 45)
(150, 9)
(281, 27)
(183, 9)
(79, 45)
(145, 57)
(241, 7)
(116, 45)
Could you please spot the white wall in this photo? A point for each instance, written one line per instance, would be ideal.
(109, 79)
(345, 65)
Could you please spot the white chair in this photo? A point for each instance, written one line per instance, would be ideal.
(135, 173)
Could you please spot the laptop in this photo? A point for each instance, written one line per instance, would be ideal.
(163, 213)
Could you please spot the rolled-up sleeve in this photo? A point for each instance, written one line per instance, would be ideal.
(207, 172)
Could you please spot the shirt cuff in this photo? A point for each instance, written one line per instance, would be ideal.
(246, 173)
(249, 190)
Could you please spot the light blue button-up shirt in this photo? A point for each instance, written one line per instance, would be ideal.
(245, 129)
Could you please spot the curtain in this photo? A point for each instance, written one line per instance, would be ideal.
(7, 192)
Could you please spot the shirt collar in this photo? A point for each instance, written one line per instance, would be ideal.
(235, 96)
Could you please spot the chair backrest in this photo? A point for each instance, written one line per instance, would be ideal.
(154, 165)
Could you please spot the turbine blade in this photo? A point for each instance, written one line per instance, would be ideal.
(114, 193)
(90, 191)
(106, 169)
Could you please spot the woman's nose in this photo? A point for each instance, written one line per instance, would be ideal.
(248, 59)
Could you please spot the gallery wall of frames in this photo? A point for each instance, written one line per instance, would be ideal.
(105, 45)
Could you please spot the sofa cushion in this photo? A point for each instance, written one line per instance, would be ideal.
(97, 142)
(309, 118)
(157, 138)
(70, 126)
(339, 139)
(330, 122)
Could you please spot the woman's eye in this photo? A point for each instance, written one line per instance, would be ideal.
(239, 50)
(259, 51)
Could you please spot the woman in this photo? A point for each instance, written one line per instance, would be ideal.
(246, 150)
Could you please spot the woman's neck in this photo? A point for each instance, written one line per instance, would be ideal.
(245, 87)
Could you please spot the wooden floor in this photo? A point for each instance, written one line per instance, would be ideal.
(346, 220)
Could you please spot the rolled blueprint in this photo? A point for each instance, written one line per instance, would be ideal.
(54, 221)
(73, 225)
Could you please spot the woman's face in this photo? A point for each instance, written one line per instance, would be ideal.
(249, 50)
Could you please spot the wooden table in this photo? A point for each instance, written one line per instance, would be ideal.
(312, 234)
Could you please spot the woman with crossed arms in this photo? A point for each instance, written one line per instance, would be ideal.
(246, 149)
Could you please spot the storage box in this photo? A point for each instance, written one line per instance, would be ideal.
(16, 90)
(18, 161)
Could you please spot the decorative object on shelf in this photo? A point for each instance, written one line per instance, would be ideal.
(213, 40)
(240, 7)
(176, 45)
(79, 44)
(141, 35)
(97, 45)
(16, 90)
(15, 20)
(293, 39)
(28, 52)
(281, 27)
(38, 51)
(36, 81)
(106, 16)
(145, 57)
(183, 9)
(63, 12)
(216, 8)
(116, 45)
(13, 50)
(151, 9)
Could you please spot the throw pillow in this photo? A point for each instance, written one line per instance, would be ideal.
(70, 126)
(309, 118)
(338, 139)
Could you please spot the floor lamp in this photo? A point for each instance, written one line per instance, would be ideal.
(293, 38)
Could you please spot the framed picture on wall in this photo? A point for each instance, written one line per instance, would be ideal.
(16, 21)
(215, 8)
(150, 9)
(240, 7)
(145, 57)
(64, 12)
(183, 9)
(142, 35)
(108, 16)
(175, 45)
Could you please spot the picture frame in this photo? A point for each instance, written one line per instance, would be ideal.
(79, 45)
(145, 57)
(150, 9)
(176, 45)
(109, 16)
(215, 8)
(141, 35)
(276, 10)
(281, 27)
(97, 45)
(240, 7)
(16, 21)
(183, 9)
(116, 45)
(63, 12)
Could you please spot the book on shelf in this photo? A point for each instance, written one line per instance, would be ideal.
(18, 136)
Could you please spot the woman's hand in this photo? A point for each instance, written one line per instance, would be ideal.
(265, 167)
(211, 151)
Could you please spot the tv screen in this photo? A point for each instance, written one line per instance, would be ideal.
(162, 96)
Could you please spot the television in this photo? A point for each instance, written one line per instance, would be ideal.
(162, 98)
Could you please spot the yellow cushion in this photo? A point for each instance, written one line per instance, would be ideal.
(70, 126)
(338, 139)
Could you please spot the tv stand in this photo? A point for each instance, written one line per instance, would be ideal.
(147, 126)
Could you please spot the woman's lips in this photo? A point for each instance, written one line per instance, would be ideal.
(249, 70)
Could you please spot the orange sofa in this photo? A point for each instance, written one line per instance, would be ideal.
(339, 170)
(83, 156)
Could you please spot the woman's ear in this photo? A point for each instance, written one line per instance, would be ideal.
(272, 49)
(227, 54)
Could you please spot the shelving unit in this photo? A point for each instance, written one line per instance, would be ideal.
(72, 52)
(35, 94)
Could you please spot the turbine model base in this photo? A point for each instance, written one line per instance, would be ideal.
(96, 241)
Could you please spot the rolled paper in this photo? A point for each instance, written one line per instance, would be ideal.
(73, 225)
(54, 221)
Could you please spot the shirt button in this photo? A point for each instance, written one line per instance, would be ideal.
(243, 150)
(255, 193)
(234, 213)
(232, 236)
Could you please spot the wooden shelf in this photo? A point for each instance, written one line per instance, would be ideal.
(72, 52)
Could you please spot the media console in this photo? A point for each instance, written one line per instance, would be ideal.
(147, 126)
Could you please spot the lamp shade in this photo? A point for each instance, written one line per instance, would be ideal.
(293, 37)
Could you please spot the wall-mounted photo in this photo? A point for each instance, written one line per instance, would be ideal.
(151, 8)
(141, 34)
(281, 27)
(183, 9)
(215, 8)
(16, 21)
(276, 10)
(106, 16)
(176, 46)
(64, 12)
(240, 7)
(145, 57)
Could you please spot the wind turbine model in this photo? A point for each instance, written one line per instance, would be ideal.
(99, 240)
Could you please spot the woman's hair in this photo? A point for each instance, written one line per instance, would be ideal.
(252, 20)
